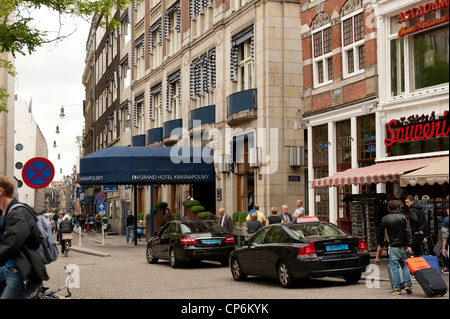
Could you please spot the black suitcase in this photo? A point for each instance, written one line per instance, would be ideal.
(431, 282)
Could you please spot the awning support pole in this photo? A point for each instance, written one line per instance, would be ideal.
(152, 210)
(135, 214)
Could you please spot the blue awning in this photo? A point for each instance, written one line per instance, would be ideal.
(147, 165)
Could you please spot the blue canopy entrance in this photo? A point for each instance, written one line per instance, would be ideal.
(138, 165)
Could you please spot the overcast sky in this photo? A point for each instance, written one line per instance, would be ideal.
(52, 77)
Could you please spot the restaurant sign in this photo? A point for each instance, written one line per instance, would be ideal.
(416, 127)
(422, 11)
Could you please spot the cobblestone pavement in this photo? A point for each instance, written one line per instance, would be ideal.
(119, 270)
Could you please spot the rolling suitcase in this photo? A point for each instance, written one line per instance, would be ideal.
(431, 282)
(416, 263)
(433, 261)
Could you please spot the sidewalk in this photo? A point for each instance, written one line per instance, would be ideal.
(93, 244)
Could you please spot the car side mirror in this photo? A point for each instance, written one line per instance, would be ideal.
(155, 233)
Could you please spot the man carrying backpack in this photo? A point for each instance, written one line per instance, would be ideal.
(21, 267)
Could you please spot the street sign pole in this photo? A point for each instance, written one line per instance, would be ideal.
(101, 197)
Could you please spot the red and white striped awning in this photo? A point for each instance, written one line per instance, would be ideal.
(377, 173)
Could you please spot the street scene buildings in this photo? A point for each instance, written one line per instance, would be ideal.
(333, 102)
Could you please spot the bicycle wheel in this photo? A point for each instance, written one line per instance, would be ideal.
(66, 250)
(51, 296)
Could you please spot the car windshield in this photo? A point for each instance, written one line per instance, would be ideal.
(200, 227)
(317, 230)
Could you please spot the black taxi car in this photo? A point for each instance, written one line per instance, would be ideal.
(190, 240)
(306, 249)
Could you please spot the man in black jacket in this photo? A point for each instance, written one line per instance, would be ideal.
(21, 268)
(396, 225)
(418, 225)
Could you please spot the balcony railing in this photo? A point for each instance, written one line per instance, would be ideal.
(138, 140)
(154, 135)
(204, 115)
(173, 127)
(241, 101)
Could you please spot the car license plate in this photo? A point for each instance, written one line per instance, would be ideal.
(336, 247)
(210, 241)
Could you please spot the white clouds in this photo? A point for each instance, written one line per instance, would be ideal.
(51, 76)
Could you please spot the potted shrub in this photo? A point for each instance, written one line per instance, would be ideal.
(206, 215)
(187, 208)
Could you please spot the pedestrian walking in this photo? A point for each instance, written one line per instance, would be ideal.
(130, 227)
(418, 222)
(22, 269)
(225, 221)
(396, 225)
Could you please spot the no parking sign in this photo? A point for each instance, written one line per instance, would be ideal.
(38, 172)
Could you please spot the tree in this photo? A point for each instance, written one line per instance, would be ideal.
(18, 35)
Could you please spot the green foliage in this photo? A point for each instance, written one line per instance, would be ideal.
(239, 218)
(197, 209)
(204, 215)
(19, 33)
(176, 216)
(189, 203)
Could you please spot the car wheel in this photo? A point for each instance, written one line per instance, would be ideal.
(285, 275)
(150, 257)
(174, 261)
(352, 278)
(236, 270)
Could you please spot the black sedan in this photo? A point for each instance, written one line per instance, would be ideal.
(291, 251)
(190, 240)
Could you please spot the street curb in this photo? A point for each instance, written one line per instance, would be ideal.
(89, 251)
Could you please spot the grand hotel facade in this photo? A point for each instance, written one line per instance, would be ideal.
(289, 93)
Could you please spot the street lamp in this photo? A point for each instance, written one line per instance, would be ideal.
(61, 115)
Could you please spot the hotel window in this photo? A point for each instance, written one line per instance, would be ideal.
(173, 28)
(353, 44)
(156, 105)
(155, 44)
(203, 79)
(139, 8)
(202, 14)
(242, 59)
(322, 57)
(173, 95)
(139, 56)
(139, 111)
(418, 60)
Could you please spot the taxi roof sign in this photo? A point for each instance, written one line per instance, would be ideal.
(307, 219)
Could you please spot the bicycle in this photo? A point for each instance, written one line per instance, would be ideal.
(41, 292)
(67, 237)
